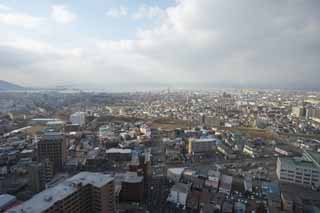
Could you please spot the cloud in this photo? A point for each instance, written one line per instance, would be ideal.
(246, 43)
(117, 12)
(20, 20)
(237, 43)
(149, 12)
(4, 7)
(62, 14)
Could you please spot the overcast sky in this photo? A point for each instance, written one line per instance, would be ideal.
(263, 43)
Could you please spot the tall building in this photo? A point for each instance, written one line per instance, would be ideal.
(298, 111)
(313, 114)
(40, 174)
(52, 146)
(78, 118)
(304, 171)
(84, 192)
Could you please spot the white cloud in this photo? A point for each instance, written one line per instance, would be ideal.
(4, 7)
(195, 41)
(20, 20)
(149, 12)
(62, 14)
(117, 12)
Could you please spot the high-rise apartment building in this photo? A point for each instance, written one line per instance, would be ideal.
(84, 192)
(52, 147)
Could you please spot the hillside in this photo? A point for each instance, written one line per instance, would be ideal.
(5, 85)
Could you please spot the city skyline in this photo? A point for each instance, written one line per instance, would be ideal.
(270, 44)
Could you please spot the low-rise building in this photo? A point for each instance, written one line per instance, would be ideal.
(118, 154)
(78, 118)
(179, 194)
(250, 150)
(175, 174)
(201, 145)
(225, 184)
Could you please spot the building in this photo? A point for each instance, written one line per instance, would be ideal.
(132, 188)
(239, 207)
(272, 192)
(52, 146)
(303, 171)
(43, 121)
(78, 118)
(118, 154)
(213, 179)
(225, 184)
(247, 182)
(298, 111)
(226, 151)
(227, 207)
(84, 192)
(250, 150)
(40, 174)
(313, 114)
(6, 201)
(175, 174)
(201, 145)
(179, 194)
(294, 197)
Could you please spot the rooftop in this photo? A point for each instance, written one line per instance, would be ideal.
(176, 171)
(298, 162)
(314, 156)
(52, 136)
(45, 199)
(181, 187)
(6, 199)
(116, 150)
(203, 140)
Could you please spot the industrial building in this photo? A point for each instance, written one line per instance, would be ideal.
(303, 171)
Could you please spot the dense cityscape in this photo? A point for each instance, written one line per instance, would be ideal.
(159, 106)
(232, 150)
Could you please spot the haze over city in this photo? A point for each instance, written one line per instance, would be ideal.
(160, 106)
(167, 43)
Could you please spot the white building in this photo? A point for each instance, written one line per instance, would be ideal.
(304, 171)
(78, 118)
(179, 194)
(225, 184)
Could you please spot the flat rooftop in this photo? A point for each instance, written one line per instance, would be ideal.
(203, 140)
(52, 136)
(298, 162)
(45, 199)
(120, 151)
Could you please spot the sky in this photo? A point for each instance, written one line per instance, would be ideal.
(106, 43)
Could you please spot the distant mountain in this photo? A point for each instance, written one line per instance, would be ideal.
(5, 85)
